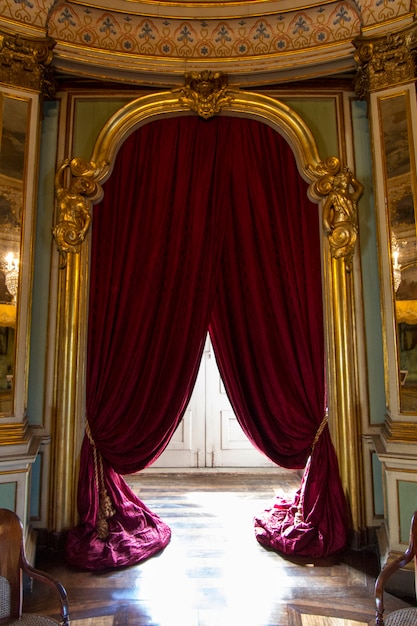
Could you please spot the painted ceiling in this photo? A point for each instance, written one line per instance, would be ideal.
(255, 42)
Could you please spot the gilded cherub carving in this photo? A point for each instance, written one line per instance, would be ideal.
(340, 214)
(73, 219)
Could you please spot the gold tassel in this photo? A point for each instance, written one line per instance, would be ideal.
(105, 509)
(319, 431)
(299, 516)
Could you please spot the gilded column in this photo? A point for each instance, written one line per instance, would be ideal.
(341, 192)
(70, 231)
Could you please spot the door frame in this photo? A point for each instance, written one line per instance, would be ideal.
(73, 237)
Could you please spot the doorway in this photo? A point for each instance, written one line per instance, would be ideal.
(209, 434)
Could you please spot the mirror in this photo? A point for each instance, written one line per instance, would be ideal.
(14, 118)
(399, 176)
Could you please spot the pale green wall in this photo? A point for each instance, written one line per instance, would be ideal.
(41, 277)
(369, 260)
(320, 116)
(40, 293)
(35, 488)
(407, 495)
(378, 485)
(8, 496)
(90, 117)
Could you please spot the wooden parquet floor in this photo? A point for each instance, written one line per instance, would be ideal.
(214, 572)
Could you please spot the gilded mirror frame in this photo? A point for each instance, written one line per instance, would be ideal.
(79, 186)
(19, 115)
(396, 169)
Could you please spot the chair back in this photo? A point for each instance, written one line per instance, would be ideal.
(11, 548)
(402, 617)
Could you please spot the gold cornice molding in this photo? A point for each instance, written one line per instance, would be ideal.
(399, 431)
(385, 61)
(26, 62)
(13, 433)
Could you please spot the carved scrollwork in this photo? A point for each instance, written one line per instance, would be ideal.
(205, 93)
(341, 192)
(26, 62)
(73, 211)
(385, 61)
(324, 171)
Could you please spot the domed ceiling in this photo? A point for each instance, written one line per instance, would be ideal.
(256, 42)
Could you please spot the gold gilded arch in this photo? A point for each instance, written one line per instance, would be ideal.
(79, 186)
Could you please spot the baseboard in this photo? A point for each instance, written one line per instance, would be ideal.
(364, 538)
(54, 541)
(382, 544)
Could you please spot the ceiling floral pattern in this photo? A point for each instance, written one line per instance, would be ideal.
(204, 38)
(127, 38)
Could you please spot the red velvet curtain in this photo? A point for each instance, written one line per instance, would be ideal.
(267, 333)
(203, 221)
(156, 250)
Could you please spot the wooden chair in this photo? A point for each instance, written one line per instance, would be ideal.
(13, 564)
(401, 617)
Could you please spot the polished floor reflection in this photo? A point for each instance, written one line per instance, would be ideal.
(213, 572)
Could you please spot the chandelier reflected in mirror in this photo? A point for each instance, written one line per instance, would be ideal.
(10, 267)
(396, 267)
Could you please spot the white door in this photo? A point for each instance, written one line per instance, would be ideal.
(209, 434)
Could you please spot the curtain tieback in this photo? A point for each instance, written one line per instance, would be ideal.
(299, 515)
(105, 509)
(320, 429)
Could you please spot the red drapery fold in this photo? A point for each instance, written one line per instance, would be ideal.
(313, 524)
(267, 332)
(191, 228)
(156, 249)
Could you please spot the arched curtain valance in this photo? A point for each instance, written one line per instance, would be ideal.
(204, 224)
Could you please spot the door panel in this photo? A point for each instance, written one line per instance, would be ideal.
(209, 435)
(187, 445)
(226, 443)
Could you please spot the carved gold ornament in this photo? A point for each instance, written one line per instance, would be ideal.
(385, 61)
(340, 221)
(25, 62)
(73, 211)
(205, 93)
